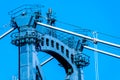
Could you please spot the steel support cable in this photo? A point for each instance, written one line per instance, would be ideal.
(69, 24)
(6, 33)
(86, 37)
(46, 61)
(80, 35)
(88, 30)
(103, 52)
(96, 57)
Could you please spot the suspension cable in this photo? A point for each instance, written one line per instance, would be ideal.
(88, 30)
(79, 27)
(80, 35)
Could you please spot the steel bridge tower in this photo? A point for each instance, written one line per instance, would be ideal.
(63, 45)
(30, 41)
(27, 39)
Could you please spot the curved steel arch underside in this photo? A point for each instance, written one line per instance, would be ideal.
(60, 59)
(63, 55)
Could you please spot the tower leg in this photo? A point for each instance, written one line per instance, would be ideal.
(29, 67)
(79, 74)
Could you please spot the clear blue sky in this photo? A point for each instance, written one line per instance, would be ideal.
(99, 15)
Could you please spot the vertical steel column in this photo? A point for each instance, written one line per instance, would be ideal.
(19, 57)
(79, 73)
(28, 62)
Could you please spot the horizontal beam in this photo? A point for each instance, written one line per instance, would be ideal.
(45, 62)
(6, 33)
(103, 52)
(80, 35)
